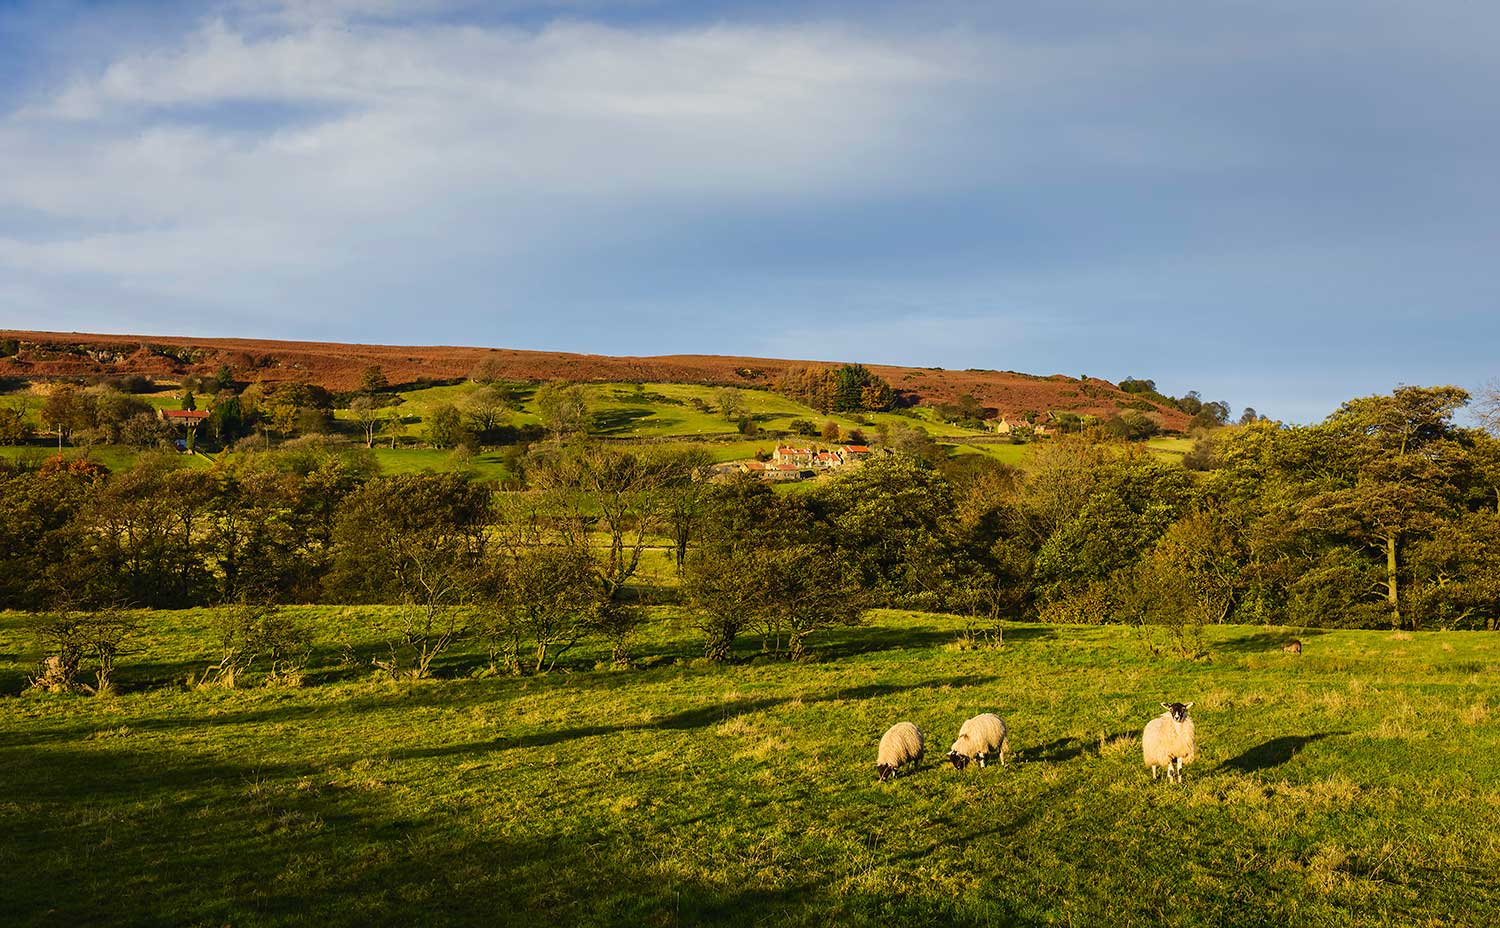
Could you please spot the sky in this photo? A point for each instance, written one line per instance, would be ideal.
(1277, 204)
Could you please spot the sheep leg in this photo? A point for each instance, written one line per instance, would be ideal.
(1154, 775)
(981, 760)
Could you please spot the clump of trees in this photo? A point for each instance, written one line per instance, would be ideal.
(849, 388)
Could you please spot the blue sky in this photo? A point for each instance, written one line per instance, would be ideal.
(1278, 204)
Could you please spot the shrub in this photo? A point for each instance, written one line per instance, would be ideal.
(81, 641)
(252, 636)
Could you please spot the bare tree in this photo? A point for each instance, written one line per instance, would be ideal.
(1487, 407)
(486, 408)
(367, 414)
(627, 495)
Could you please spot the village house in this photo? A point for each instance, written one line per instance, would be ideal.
(800, 457)
(783, 472)
(186, 419)
(849, 454)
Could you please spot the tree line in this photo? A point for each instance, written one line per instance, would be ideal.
(1387, 514)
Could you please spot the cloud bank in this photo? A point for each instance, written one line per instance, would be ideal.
(1074, 190)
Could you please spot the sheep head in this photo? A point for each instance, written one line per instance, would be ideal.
(886, 771)
(1177, 710)
(960, 761)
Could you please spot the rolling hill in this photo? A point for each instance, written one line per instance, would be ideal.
(338, 366)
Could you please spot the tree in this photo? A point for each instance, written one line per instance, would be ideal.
(830, 431)
(486, 408)
(14, 429)
(420, 540)
(726, 583)
(630, 495)
(373, 381)
(487, 370)
(730, 401)
(1249, 416)
(64, 411)
(563, 409)
(252, 636)
(367, 414)
(189, 401)
(548, 594)
(1389, 461)
(92, 639)
(1487, 407)
(445, 427)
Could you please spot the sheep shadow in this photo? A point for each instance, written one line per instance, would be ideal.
(1273, 753)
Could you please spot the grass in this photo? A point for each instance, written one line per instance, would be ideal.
(665, 410)
(1353, 785)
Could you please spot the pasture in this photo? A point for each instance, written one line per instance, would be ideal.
(1355, 784)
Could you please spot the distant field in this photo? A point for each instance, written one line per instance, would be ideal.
(664, 410)
(1352, 785)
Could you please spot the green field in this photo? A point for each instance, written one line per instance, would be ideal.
(1355, 784)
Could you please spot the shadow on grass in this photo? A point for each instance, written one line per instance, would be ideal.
(701, 717)
(1265, 641)
(617, 420)
(1274, 753)
(1065, 749)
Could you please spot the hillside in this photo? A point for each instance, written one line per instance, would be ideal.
(338, 367)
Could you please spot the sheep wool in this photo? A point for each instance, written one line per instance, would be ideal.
(978, 738)
(901, 744)
(1170, 740)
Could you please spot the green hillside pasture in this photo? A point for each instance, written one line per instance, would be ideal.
(1014, 455)
(115, 457)
(487, 465)
(659, 410)
(1170, 448)
(1354, 784)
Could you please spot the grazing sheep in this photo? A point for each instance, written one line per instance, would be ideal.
(901, 744)
(1293, 647)
(978, 737)
(1170, 740)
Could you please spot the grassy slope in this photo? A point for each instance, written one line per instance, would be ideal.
(1355, 784)
(622, 415)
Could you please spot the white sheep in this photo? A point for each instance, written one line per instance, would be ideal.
(901, 744)
(1170, 741)
(979, 737)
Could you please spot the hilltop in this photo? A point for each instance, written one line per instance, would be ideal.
(337, 366)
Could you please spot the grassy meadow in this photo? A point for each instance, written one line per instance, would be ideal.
(1355, 784)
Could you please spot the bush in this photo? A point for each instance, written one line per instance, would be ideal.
(258, 637)
(79, 642)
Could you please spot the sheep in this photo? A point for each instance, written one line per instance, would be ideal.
(978, 737)
(1170, 741)
(1293, 647)
(901, 744)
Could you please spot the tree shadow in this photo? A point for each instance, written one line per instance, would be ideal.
(1065, 749)
(690, 719)
(1265, 641)
(1273, 753)
(619, 419)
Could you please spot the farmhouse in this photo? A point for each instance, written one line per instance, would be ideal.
(186, 419)
(783, 472)
(849, 454)
(801, 457)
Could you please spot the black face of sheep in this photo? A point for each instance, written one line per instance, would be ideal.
(886, 771)
(960, 761)
(1178, 710)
